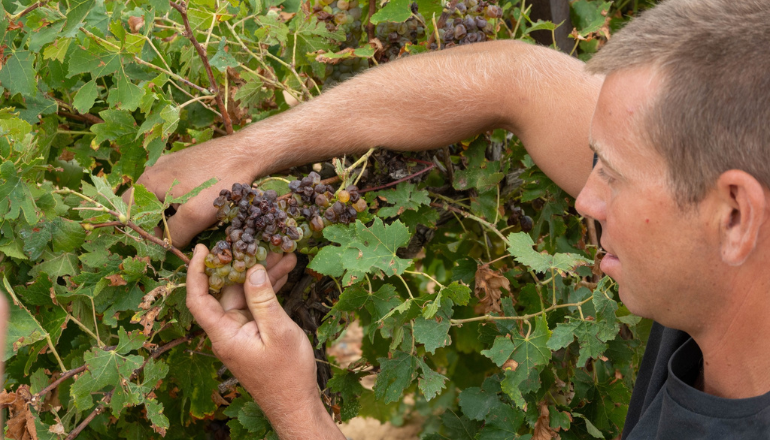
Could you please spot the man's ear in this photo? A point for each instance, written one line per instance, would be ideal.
(742, 211)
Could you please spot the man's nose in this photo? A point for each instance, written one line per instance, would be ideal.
(589, 202)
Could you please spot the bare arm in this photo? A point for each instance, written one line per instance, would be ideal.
(418, 103)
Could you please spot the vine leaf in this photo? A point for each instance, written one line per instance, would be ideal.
(520, 246)
(396, 11)
(530, 352)
(348, 384)
(405, 197)
(502, 423)
(15, 195)
(477, 402)
(430, 382)
(432, 333)
(395, 375)
(362, 250)
(196, 375)
(18, 73)
(104, 367)
(478, 173)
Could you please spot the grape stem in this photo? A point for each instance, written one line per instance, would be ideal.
(470, 216)
(182, 9)
(396, 182)
(144, 234)
(517, 318)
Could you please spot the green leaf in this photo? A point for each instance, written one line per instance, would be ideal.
(458, 293)
(459, 427)
(252, 92)
(196, 376)
(591, 346)
(479, 172)
(57, 265)
(520, 246)
(431, 333)
(396, 11)
(502, 423)
(253, 419)
(395, 375)
(530, 352)
(66, 235)
(18, 73)
(117, 123)
(57, 50)
(221, 59)
(348, 384)
(85, 97)
(405, 197)
(15, 196)
(127, 95)
(77, 12)
(23, 328)
(476, 402)
(128, 342)
(36, 239)
(193, 192)
(377, 246)
(92, 59)
(103, 368)
(430, 382)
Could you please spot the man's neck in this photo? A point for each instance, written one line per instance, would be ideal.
(736, 346)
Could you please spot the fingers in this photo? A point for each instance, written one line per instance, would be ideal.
(189, 220)
(204, 307)
(264, 306)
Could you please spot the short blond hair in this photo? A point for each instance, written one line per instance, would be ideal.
(712, 113)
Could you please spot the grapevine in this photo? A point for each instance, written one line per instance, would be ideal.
(454, 265)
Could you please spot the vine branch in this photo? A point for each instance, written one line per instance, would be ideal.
(144, 234)
(205, 60)
(517, 318)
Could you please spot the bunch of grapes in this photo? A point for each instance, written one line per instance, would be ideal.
(344, 15)
(394, 36)
(469, 22)
(261, 221)
(518, 217)
(336, 73)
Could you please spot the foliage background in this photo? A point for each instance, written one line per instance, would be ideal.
(495, 333)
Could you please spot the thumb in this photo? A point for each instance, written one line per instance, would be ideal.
(263, 304)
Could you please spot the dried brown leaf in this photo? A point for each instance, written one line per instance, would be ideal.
(490, 283)
(116, 280)
(543, 429)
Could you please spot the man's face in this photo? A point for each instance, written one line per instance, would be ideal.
(661, 256)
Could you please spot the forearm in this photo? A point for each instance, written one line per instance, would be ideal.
(301, 422)
(432, 100)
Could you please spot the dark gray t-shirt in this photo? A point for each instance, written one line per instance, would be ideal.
(665, 405)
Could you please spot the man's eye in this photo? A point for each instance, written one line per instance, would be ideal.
(603, 174)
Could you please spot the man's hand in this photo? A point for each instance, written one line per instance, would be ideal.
(191, 167)
(258, 342)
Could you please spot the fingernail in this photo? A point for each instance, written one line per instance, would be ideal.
(195, 250)
(257, 277)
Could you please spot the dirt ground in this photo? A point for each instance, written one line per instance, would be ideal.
(348, 350)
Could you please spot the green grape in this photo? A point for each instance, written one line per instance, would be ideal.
(250, 261)
(216, 282)
(211, 261)
(236, 277)
(261, 254)
(343, 196)
(239, 265)
(209, 271)
(223, 271)
(275, 249)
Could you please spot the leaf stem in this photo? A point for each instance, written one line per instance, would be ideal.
(396, 182)
(408, 290)
(472, 217)
(517, 318)
(182, 9)
(88, 331)
(425, 275)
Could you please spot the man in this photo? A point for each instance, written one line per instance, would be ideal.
(676, 109)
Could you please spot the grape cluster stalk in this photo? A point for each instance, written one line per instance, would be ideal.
(469, 22)
(260, 221)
